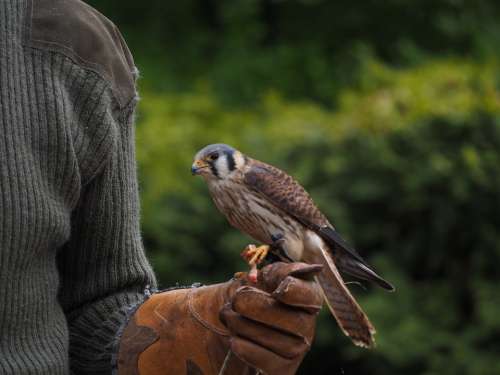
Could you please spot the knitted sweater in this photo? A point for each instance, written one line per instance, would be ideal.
(71, 258)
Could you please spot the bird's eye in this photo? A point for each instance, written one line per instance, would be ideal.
(213, 156)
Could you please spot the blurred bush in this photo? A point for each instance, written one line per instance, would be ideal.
(302, 48)
(406, 166)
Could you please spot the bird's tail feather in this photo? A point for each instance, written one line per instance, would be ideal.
(349, 315)
(360, 270)
(349, 261)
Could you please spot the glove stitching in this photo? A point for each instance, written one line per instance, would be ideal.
(202, 321)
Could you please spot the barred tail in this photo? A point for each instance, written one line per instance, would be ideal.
(349, 315)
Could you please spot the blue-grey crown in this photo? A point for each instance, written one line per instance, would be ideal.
(216, 147)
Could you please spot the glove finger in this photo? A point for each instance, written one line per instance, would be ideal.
(279, 342)
(271, 276)
(299, 293)
(260, 306)
(262, 359)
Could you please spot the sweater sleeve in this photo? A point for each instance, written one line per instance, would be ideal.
(103, 268)
(85, 74)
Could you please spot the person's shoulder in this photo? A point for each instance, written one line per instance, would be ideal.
(87, 37)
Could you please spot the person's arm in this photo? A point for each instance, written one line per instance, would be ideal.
(103, 268)
(75, 82)
(85, 65)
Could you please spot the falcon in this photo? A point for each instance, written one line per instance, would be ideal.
(270, 206)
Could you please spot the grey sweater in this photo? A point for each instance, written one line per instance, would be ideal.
(71, 259)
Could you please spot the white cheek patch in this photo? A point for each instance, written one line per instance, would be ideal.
(222, 166)
(239, 160)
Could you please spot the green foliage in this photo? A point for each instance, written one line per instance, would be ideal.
(405, 166)
(301, 48)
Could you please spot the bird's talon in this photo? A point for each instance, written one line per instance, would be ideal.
(254, 256)
(248, 252)
(257, 254)
(239, 275)
(253, 259)
(250, 247)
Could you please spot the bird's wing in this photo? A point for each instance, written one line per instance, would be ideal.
(285, 193)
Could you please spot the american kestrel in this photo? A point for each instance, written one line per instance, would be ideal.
(270, 206)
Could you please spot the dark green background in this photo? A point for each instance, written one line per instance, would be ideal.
(388, 112)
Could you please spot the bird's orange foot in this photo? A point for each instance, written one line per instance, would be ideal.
(240, 275)
(254, 255)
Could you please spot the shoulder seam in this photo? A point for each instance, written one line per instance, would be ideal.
(119, 96)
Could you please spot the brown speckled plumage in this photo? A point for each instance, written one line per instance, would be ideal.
(284, 192)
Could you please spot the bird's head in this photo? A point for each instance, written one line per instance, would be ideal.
(217, 161)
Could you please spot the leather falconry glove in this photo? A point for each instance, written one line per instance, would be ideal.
(230, 328)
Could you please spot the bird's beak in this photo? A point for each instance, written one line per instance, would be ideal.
(198, 166)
